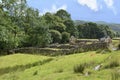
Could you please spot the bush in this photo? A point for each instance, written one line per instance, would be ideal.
(79, 68)
(65, 37)
(56, 36)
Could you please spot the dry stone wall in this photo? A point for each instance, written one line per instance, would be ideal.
(62, 49)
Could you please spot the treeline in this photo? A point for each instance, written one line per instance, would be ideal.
(94, 31)
(22, 26)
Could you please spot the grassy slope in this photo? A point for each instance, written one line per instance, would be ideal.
(19, 59)
(61, 68)
(116, 42)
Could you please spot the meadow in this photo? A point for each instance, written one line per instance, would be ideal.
(61, 67)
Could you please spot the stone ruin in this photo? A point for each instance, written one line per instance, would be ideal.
(106, 39)
(74, 46)
(72, 40)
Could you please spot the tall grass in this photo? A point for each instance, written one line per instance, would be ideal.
(112, 63)
(115, 75)
(79, 68)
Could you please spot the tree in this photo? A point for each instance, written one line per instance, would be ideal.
(63, 14)
(56, 36)
(9, 32)
(14, 7)
(90, 30)
(54, 22)
(71, 28)
(65, 37)
(39, 36)
(80, 30)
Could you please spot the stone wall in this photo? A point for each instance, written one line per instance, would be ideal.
(61, 49)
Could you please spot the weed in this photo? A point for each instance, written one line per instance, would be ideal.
(79, 68)
(59, 71)
(35, 73)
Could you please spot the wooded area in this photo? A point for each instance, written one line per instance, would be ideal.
(22, 26)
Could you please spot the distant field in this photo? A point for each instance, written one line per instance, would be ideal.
(61, 67)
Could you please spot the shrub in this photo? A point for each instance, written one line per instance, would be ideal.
(56, 36)
(65, 37)
(79, 68)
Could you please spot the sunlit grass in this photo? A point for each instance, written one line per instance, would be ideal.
(19, 59)
(62, 68)
(115, 43)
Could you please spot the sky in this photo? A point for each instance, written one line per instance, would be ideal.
(88, 10)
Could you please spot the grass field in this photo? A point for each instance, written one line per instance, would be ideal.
(116, 42)
(61, 67)
(19, 59)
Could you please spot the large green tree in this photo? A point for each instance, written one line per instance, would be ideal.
(63, 14)
(9, 32)
(39, 35)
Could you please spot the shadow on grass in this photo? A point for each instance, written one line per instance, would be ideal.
(23, 67)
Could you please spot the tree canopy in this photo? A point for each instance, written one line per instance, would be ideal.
(22, 26)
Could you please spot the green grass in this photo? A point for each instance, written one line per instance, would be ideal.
(19, 59)
(61, 67)
(116, 42)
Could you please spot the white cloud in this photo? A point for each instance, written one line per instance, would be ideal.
(54, 9)
(92, 4)
(110, 5)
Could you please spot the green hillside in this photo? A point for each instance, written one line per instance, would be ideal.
(113, 26)
(62, 67)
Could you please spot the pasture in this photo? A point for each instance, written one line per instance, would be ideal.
(61, 67)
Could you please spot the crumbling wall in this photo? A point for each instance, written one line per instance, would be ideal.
(62, 49)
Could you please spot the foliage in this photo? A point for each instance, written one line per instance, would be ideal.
(70, 28)
(63, 14)
(39, 36)
(22, 26)
(94, 31)
(9, 32)
(65, 37)
(56, 36)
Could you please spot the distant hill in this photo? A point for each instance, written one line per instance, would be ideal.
(113, 26)
(78, 22)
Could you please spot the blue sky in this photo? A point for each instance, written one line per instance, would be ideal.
(89, 10)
